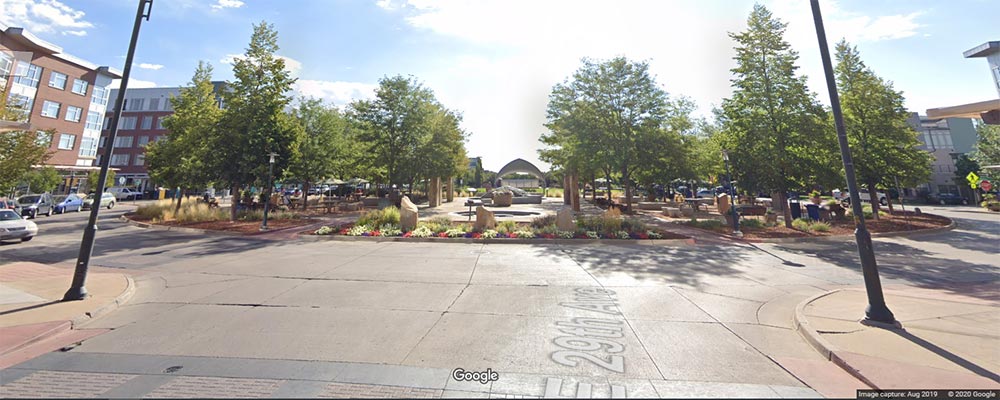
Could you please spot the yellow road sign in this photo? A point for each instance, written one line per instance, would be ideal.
(972, 178)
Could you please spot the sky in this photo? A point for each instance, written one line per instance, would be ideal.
(496, 61)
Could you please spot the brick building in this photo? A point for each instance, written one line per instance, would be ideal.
(56, 91)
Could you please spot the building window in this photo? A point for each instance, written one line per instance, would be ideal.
(50, 109)
(996, 75)
(119, 159)
(19, 106)
(100, 96)
(80, 87)
(135, 104)
(93, 121)
(123, 142)
(66, 141)
(140, 159)
(147, 123)
(6, 64)
(154, 104)
(127, 123)
(28, 74)
(57, 80)
(104, 140)
(88, 147)
(73, 113)
(159, 123)
(143, 140)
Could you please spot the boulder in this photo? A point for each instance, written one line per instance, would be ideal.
(484, 219)
(407, 214)
(564, 220)
(503, 199)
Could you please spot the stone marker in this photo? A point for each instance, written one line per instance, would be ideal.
(564, 220)
(484, 219)
(407, 214)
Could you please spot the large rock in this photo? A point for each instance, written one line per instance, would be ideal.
(503, 199)
(564, 220)
(484, 219)
(407, 214)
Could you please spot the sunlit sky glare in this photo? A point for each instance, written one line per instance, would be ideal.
(496, 61)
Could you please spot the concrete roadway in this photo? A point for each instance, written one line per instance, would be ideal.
(703, 320)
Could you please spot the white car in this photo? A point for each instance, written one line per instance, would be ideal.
(124, 193)
(865, 197)
(13, 227)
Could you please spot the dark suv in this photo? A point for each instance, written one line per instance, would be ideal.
(30, 205)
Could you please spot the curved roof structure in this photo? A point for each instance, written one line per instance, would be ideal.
(523, 167)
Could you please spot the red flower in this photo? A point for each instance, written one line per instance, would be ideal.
(343, 231)
(443, 234)
(376, 233)
(477, 235)
(407, 234)
(643, 236)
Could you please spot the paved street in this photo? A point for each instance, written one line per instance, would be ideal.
(259, 317)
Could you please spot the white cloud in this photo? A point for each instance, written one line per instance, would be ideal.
(154, 67)
(338, 93)
(223, 4)
(388, 5)
(292, 65)
(132, 84)
(45, 16)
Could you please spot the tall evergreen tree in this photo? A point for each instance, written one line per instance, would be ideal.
(254, 123)
(773, 127)
(883, 145)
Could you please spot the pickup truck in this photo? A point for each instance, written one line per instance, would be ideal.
(124, 193)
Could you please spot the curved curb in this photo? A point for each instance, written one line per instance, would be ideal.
(146, 225)
(825, 348)
(833, 238)
(119, 300)
(641, 242)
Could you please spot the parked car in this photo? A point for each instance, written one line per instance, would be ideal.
(948, 198)
(124, 193)
(31, 205)
(705, 193)
(107, 200)
(71, 202)
(7, 204)
(13, 227)
(866, 198)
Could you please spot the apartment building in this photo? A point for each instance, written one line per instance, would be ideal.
(946, 139)
(58, 92)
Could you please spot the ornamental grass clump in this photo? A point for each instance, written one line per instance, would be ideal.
(390, 230)
(325, 230)
(524, 234)
(421, 232)
(801, 224)
(388, 215)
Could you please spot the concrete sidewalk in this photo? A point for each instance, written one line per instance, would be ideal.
(948, 339)
(33, 320)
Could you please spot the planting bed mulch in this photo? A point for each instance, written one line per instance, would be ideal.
(243, 227)
(897, 222)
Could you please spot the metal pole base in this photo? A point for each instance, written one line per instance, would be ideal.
(75, 293)
(738, 234)
(880, 314)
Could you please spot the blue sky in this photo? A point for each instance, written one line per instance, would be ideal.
(496, 60)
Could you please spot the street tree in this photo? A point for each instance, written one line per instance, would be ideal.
(95, 174)
(772, 126)
(392, 125)
(609, 115)
(441, 152)
(323, 150)
(19, 149)
(254, 123)
(42, 180)
(987, 152)
(883, 145)
(181, 160)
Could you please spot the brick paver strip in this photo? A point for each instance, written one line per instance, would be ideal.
(212, 387)
(355, 390)
(55, 384)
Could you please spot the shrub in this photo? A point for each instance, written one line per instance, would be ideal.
(633, 225)
(820, 226)
(654, 235)
(326, 230)
(706, 224)
(622, 235)
(489, 234)
(454, 233)
(388, 215)
(752, 223)
(541, 222)
(390, 230)
(421, 232)
(440, 220)
(506, 226)
(592, 235)
(524, 234)
(565, 234)
(801, 224)
(358, 230)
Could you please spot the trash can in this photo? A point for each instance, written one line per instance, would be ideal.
(795, 208)
(813, 210)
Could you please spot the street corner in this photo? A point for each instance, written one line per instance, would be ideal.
(937, 339)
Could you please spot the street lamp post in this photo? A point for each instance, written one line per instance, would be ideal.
(732, 197)
(77, 291)
(876, 311)
(270, 187)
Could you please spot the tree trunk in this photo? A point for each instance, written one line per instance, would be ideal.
(888, 199)
(566, 189)
(575, 195)
(873, 196)
(177, 207)
(305, 195)
(235, 190)
(607, 181)
(628, 190)
(787, 212)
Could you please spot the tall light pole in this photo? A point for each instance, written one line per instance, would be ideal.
(270, 187)
(732, 196)
(77, 291)
(877, 310)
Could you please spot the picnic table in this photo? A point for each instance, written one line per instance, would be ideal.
(696, 202)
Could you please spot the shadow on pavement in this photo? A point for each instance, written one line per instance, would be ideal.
(969, 365)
